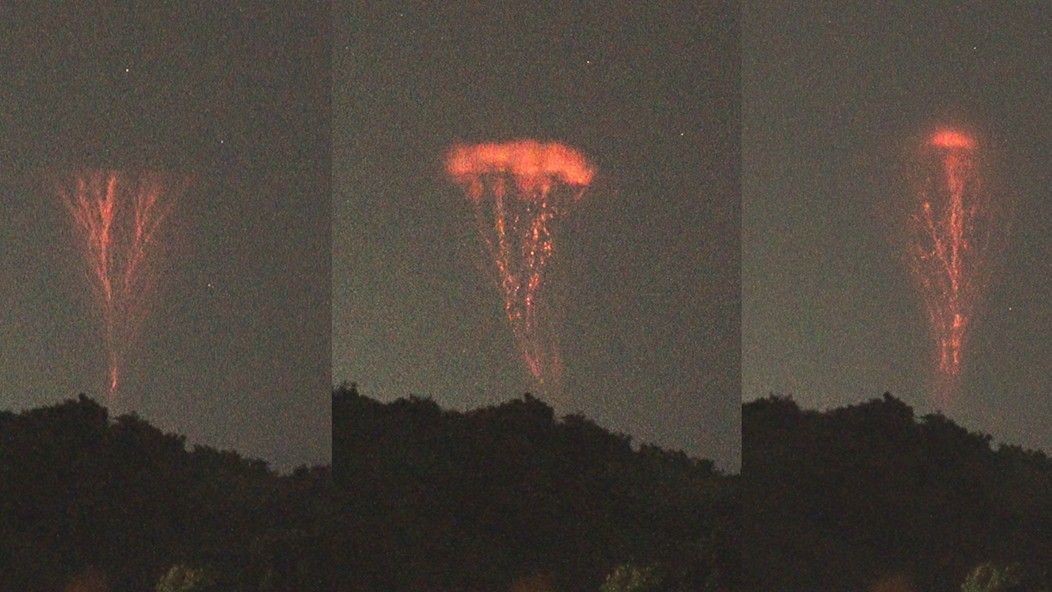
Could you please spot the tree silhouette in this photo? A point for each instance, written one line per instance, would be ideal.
(498, 495)
(89, 502)
(870, 493)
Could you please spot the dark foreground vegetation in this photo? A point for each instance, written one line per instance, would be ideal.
(871, 497)
(502, 499)
(92, 504)
(511, 498)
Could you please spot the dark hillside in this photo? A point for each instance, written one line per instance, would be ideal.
(850, 498)
(487, 498)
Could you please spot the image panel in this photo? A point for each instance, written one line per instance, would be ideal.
(165, 189)
(536, 294)
(896, 296)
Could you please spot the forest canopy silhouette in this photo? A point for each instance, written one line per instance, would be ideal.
(511, 498)
(500, 498)
(90, 503)
(870, 497)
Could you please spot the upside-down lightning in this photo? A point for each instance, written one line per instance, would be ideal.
(954, 230)
(118, 217)
(519, 191)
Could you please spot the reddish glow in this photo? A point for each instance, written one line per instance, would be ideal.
(118, 217)
(953, 229)
(534, 166)
(952, 139)
(519, 191)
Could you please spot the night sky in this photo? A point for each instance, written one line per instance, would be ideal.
(236, 351)
(647, 276)
(834, 99)
(320, 240)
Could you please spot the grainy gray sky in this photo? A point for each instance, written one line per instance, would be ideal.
(835, 96)
(236, 350)
(648, 278)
